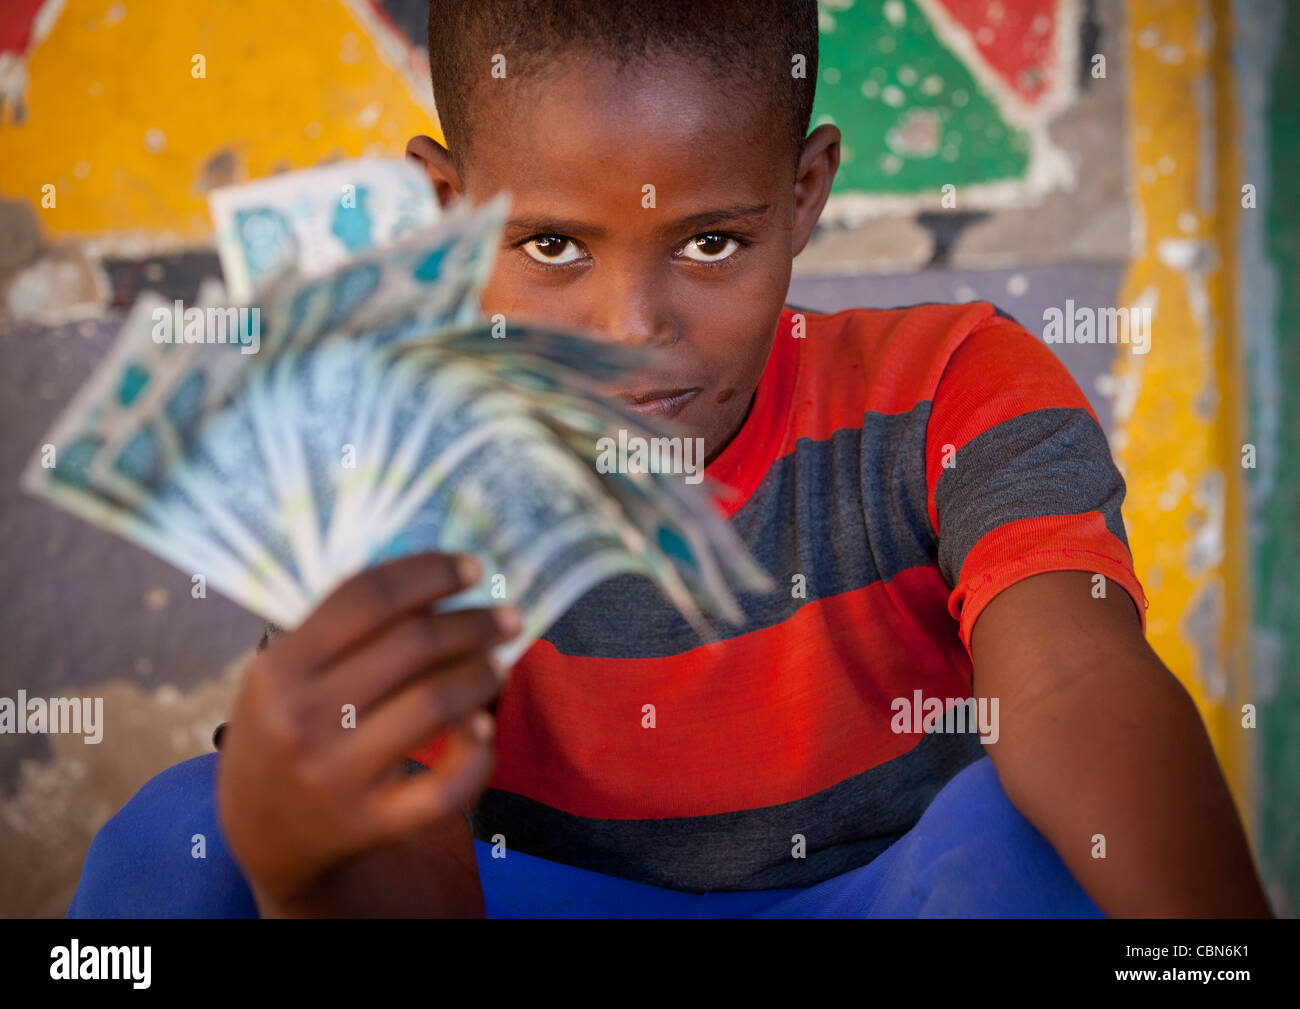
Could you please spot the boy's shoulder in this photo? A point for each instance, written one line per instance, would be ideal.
(891, 359)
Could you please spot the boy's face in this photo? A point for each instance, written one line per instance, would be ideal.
(699, 265)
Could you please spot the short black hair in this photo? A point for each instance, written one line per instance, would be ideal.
(753, 43)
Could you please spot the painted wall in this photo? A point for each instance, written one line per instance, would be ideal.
(1266, 66)
(1111, 182)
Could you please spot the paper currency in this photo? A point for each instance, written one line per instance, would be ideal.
(311, 221)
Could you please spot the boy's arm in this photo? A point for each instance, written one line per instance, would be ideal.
(1096, 736)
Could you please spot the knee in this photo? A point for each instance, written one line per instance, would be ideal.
(974, 854)
(162, 854)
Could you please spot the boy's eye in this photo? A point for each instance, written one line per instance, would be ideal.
(557, 250)
(710, 248)
(550, 249)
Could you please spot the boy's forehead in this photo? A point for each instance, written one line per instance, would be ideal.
(662, 123)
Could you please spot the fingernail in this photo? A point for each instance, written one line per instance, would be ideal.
(500, 668)
(508, 620)
(480, 724)
(468, 569)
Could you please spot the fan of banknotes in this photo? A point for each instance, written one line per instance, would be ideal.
(340, 402)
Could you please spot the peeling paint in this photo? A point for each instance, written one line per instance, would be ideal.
(1185, 392)
(1206, 549)
(1201, 627)
(57, 806)
(224, 167)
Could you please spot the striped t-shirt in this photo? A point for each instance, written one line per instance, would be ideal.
(898, 469)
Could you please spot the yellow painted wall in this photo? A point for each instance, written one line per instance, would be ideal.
(284, 88)
(1183, 433)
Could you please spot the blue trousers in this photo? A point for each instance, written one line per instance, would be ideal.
(970, 855)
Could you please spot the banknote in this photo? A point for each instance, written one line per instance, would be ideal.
(668, 526)
(311, 221)
(113, 449)
(554, 373)
(534, 515)
(427, 280)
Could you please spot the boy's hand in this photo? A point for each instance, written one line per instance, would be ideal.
(299, 794)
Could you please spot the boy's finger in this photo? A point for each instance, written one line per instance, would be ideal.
(409, 648)
(416, 714)
(372, 598)
(404, 807)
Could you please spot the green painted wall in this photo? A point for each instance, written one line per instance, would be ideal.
(1274, 344)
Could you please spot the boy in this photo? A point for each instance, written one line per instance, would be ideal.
(930, 483)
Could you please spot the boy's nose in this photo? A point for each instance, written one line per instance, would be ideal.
(638, 321)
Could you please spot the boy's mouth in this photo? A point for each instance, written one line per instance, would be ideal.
(660, 402)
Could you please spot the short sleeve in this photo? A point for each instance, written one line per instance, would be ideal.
(1019, 474)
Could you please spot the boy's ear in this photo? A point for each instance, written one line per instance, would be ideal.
(435, 161)
(812, 185)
